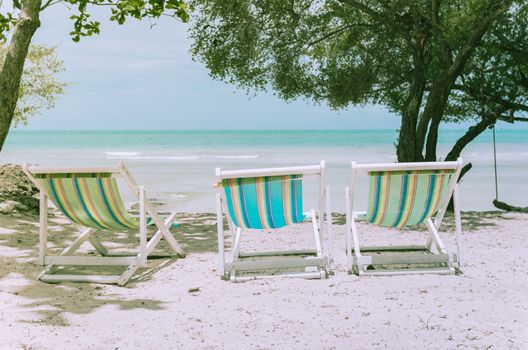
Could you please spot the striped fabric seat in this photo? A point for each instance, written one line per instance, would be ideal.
(264, 202)
(89, 199)
(405, 198)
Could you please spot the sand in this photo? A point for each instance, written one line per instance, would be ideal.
(183, 304)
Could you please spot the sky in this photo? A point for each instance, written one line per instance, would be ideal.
(140, 76)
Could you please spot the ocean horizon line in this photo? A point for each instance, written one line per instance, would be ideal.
(243, 130)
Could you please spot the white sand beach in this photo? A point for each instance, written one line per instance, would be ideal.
(114, 111)
(183, 304)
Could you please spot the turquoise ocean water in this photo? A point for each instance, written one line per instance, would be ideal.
(178, 167)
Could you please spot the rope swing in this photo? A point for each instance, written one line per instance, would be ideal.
(495, 164)
(498, 204)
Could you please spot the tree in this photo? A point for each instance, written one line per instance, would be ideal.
(39, 86)
(494, 86)
(417, 58)
(19, 24)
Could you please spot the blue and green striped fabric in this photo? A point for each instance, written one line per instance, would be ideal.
(264, 202)
(405, 198)
(89, 199)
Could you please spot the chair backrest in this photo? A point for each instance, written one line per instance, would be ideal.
(270, 201)
(264, 202)
(89, 199)
(403, 195)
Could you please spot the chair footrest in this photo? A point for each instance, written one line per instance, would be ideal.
(279, 263)
(396, 259)
(387, 272)
(275, 253)
(80, 278)
(394, 248)
(307, 275)
(88, 260)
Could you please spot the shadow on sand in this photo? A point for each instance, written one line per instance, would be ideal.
(18, 269)
(197, 234)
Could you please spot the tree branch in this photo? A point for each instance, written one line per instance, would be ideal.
(363, 8)
(328, 35)
(49, 3)
(479, 96)
(439, 32)
(495, 9)
(380, 17)
(469, 136)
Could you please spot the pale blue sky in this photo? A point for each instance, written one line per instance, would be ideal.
(138, 76)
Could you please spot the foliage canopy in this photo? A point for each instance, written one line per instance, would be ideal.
(120, 10)
(427, 60)
(39, 86)
(20, 97)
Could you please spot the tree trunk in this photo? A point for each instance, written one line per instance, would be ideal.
(434, 111)
(27, 23)
(406, 148)
(462, 142)
(469, 136)
(439, 94)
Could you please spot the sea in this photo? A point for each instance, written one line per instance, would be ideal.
(178, 167)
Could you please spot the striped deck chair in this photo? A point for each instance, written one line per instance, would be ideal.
(402, 195)
(268, 200)
(90, 198)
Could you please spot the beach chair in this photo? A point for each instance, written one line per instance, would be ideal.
(402, 195)
(268, 200)
(90, 199)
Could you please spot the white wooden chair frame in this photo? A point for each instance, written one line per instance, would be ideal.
(276, 259)
(66, 258)
(358, 262)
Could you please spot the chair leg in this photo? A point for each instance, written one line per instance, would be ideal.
(435, 237)
(330, 238)
(458, 226)
(231, 274)
(83, 237)
(220, 229)
(43, 227)
(175, 246)
(129, 272)
(352, 239)
(348, 229)
(316, 234)
(153, 242)
(323, 268)
(142, 227)
(87, 235)
(429, 244)
(96, 243)
(236, 244)
(357, 251)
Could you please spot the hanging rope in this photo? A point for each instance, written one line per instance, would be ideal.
(495, 164)
(498, 204)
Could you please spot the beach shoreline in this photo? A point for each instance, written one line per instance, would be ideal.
(182, 303)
